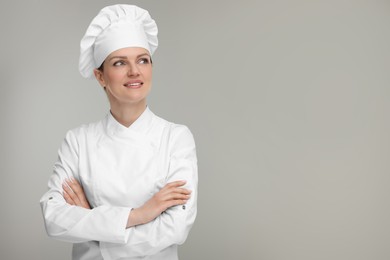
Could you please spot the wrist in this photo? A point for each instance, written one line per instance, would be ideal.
(135, 218)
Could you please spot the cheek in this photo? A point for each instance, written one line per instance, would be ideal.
(114, 76)
(148, 75)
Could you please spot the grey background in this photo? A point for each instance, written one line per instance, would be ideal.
(288, 102)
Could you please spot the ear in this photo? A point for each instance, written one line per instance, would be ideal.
(99, 77)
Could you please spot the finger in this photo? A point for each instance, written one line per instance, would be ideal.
(75, 186)
(175, 184)
(71, 194)
(182, 191)
(170, 192)
(173, 203)
(86, 205)
(77, 190)
(67, 198)
(173, 196)
(174, 192)
(178, 196)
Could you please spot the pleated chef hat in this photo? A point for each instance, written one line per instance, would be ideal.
(116, 27)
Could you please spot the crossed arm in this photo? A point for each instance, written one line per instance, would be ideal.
(134, 231)
(170, 195)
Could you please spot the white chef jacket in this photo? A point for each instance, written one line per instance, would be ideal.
(121, 168)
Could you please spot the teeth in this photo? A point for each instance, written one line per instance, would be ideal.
(134, 84)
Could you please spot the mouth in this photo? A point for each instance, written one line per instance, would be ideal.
(133, 84)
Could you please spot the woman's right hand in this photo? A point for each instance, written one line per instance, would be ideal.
(170, 195)
(74, 193)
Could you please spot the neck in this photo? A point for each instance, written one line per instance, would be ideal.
(126, 114)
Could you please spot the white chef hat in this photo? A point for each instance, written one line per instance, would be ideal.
(116, 27)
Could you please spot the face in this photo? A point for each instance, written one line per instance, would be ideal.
(126, 76)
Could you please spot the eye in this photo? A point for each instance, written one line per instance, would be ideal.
(118, 63)
(144, 61)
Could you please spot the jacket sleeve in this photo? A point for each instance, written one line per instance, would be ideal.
(173, 225)
(76, 224)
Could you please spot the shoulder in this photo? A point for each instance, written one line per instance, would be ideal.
(181, 143)
(85, 131)
(177, 132)
(181, 133)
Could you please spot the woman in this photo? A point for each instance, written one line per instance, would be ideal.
(124, 187)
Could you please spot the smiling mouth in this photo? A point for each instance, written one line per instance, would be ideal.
(134, 85)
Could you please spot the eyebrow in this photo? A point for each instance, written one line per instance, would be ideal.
(125, 57)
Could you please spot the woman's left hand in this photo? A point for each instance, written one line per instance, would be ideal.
(74, 193)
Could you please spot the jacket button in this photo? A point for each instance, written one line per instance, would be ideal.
(183, 207)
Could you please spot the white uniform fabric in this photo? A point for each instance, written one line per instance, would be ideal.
(120, 168)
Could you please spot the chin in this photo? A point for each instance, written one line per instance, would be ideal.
(134, 100)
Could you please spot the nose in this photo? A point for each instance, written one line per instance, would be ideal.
(133, 70)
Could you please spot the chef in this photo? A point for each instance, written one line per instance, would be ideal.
(124, 187)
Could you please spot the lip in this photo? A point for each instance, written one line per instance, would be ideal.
(133, 84)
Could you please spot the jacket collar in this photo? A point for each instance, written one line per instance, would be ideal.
(141, 125)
